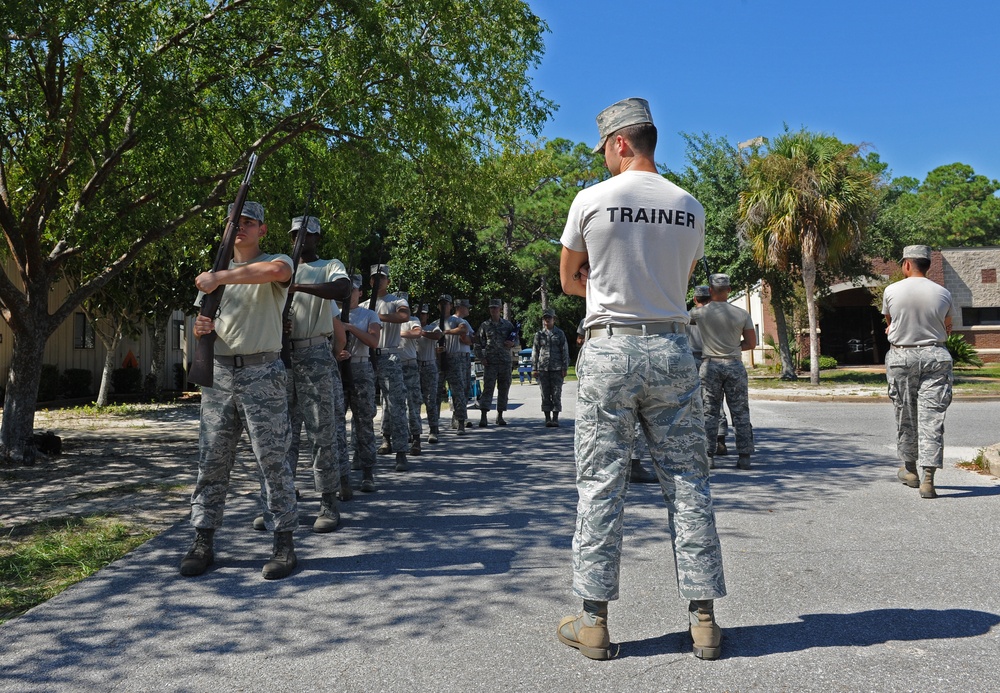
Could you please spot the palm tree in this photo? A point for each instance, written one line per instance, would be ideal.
(808, 203)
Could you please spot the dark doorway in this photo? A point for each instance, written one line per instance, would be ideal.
(853, 331)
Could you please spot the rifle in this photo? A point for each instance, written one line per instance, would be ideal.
(346, 377)
(300, 237)
(443, 356)
(202, 367)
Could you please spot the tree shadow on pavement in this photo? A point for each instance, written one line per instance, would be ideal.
(862, 629)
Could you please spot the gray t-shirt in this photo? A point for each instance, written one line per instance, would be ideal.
(249, 320)
(917, 308)
(409, 344)
(389, 305)
(313, 316)
(361, 318)
(721, 325)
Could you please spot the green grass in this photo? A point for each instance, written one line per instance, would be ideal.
(123, 410)
(57, 554)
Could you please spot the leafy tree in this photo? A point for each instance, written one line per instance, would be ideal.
(809, 202)
(121, 122)
(959, 207)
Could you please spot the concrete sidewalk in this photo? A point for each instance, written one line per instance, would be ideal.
(453, 576)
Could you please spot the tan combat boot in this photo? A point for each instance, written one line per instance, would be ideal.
(927, 485)
(705, 633)
(908, 474)
(283, 559)
(328, 518)
(587, 633)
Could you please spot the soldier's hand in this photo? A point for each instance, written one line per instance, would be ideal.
(203, 325)
(343, 355)
(207, 282)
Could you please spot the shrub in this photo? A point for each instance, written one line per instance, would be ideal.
(49, 385)
(825, 363)
(76, 382)
(962, 353)
(126, 381)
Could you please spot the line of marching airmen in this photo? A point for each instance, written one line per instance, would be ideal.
(337, 360)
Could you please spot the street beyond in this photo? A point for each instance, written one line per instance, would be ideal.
(453, 576)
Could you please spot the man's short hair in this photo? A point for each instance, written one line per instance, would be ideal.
(641, 137)
(922, 264)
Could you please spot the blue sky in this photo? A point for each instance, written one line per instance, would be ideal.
(918, 81)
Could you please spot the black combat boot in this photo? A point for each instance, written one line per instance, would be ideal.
(283, 559)
(482, 419)
(500, 420)
(548, 419)
(555, 419)
(415, 445)
(401, 465)
(367, 480)
(200, 555)
(346, 492)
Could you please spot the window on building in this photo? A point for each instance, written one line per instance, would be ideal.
(83, 332)
(177, 335)
(980, 316)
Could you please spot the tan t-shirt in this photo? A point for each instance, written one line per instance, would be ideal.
(249, 320)
(721, 326)
(389, 305)
(312, 316)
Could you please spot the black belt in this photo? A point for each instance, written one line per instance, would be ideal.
(646, 330)
(239, 361)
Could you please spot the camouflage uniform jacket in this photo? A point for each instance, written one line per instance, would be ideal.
(490, 341)
(550, 351)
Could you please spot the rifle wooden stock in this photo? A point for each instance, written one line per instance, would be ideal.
(203, 365)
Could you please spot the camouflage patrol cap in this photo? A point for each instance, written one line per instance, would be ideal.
(496, 303)
(719, 281)
(312, 226)
(405, 295)
(254, 210)
(356, 281)
(917, 252)
(424, 308)
(463, 303)
(702, 291)
(631, 111)
(445, 298)
(380, 269)
(548, 313)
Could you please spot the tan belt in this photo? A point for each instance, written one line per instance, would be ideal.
(917, 346)
(647, 330)
(240, 361)
(311, 341)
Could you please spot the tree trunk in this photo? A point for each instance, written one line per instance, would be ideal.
(543, 289)
(787, 366)
(809, 283)
(157, 365)
(18, 424)
(104, 395)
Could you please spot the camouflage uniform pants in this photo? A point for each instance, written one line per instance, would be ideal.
(652, 380)
(429, 392)
(390, 379)
(361, 400)
(411, 378)
(920, 385)
(723, 421)
(311, 402)
(727, 377)
(254, 398)
(457, 380)
(340, 420)
(551, 383)
(495, 373)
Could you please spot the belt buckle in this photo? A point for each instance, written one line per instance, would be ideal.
(237, 361)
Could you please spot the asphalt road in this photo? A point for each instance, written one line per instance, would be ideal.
(452, 577)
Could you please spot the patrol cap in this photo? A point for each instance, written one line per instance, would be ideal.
(917, 252)
(356, 281)
(424, 308)
(380, 269)
(445, 298)
(631, 111)
(405, 295)
(548, 313)
(496, 303)
(311, 227)
(702, 291)
(254, 210)
(719, 281)
(463, 303)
